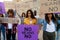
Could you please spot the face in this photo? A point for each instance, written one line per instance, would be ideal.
(50, 16)
(23, 15)
(10, 15)
(29, 14)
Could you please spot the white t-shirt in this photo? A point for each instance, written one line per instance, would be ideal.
(9, 26)
(37, 16)
(50, 27)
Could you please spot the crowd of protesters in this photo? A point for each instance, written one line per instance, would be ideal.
(50, 24)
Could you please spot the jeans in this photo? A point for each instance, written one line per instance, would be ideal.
(2, 29)
(48, 36)
(10, 35)
(58, 34)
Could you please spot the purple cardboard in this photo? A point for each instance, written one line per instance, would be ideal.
(2, 8)
(57, 13)
(28, 32)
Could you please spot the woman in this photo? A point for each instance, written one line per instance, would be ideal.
(11, 28)
(49, 27)
(58, 25)
(22, 18)
(30, 19)
(58, 30)
(2, 28)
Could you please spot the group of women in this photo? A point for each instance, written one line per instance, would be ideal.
(49, 24)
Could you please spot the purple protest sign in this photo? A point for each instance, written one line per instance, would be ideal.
(28, 32)
(2, 8)
(56, 12)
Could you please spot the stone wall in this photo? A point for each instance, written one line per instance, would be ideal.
(23, 6)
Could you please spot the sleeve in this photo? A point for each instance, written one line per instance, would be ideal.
(57, 25)
(35, 21)
(14, 30)
(25, 21)
(5, 25)
(40, 21)
(15, 25)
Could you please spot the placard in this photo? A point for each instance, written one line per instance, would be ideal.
(9, 20)
(27, 32)
(47, 6)
(2, 8)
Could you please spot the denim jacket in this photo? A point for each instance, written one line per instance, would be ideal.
(44, 23)
(58, 25)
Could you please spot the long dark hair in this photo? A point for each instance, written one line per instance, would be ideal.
(32, 15)
(47, 19)
(23, 14)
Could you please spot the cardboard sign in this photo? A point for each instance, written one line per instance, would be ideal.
(47, 6)
(27, 32)
(9, 20)
(2, 8)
